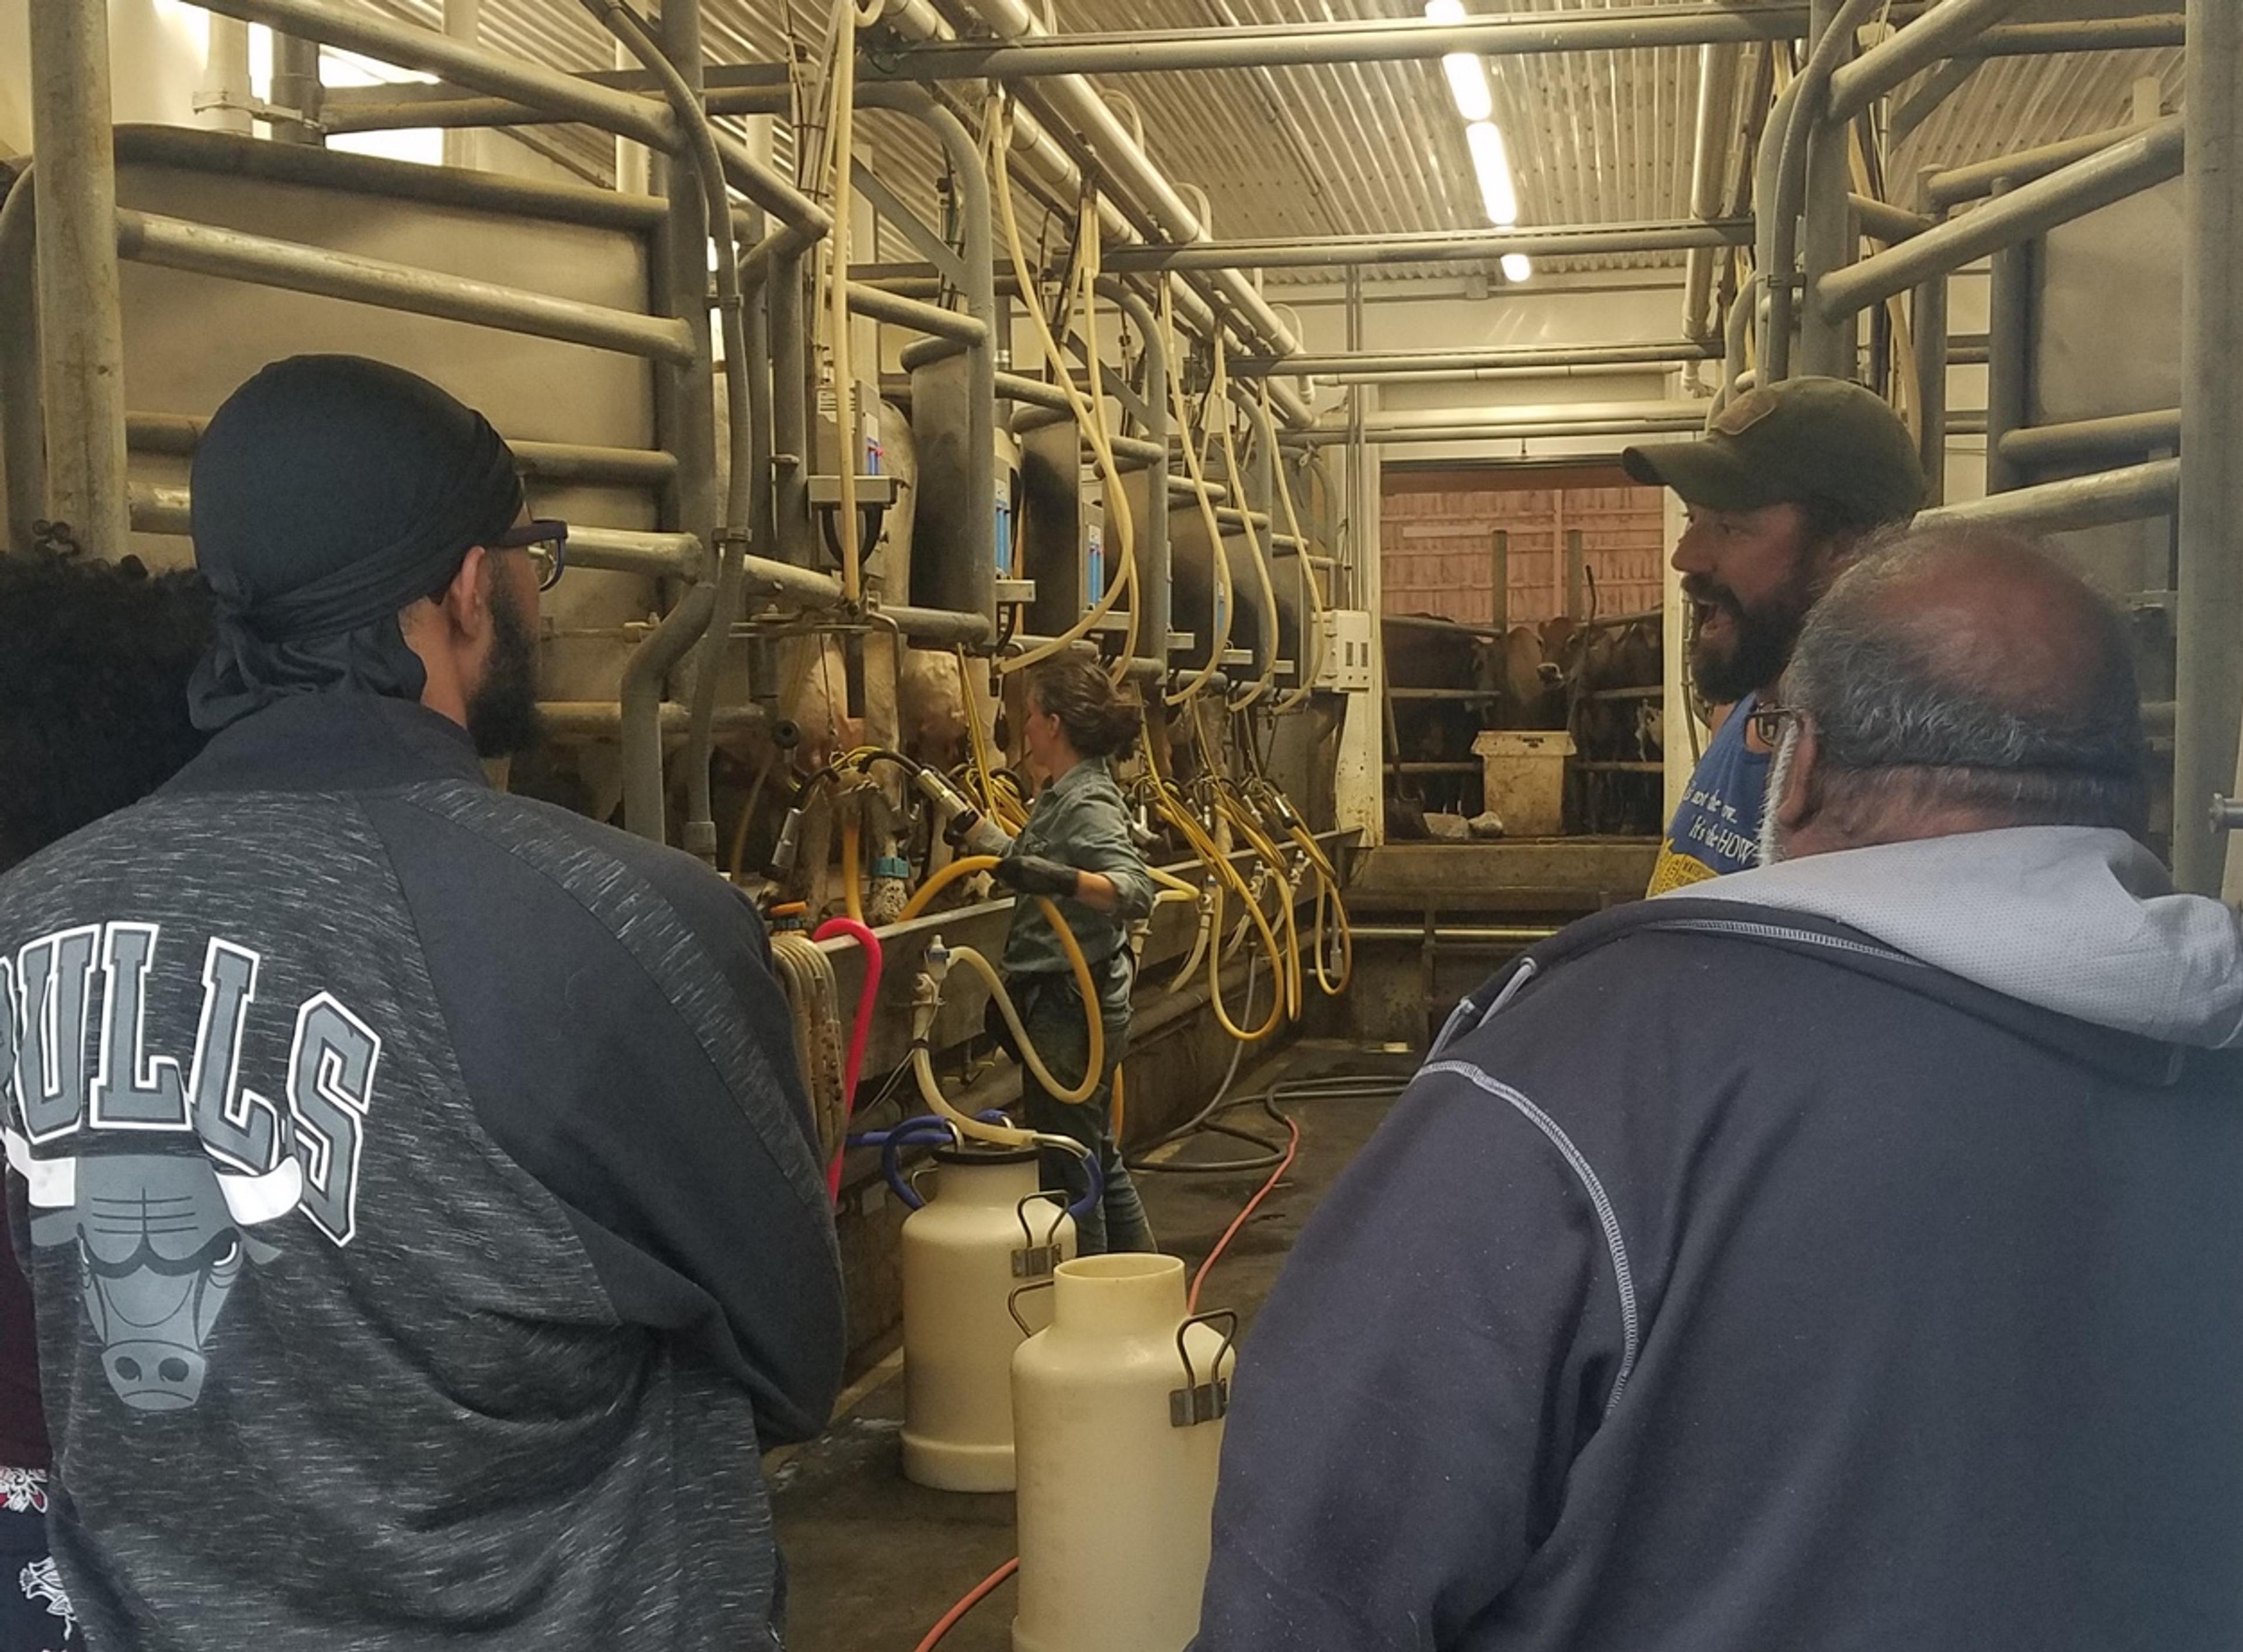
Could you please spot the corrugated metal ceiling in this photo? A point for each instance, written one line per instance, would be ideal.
(1595, 138)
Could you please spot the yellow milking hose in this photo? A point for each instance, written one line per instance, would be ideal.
(1094, 1023)
(923, 897)
(1171, 882)
(1312, 635)
(1219, 573)
(1215, 401)
(1089, 421)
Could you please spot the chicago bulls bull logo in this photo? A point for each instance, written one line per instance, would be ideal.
(170, 1180)
(158, 1255)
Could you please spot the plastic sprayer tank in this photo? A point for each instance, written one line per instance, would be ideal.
(1119, 1430)
(985, 1233)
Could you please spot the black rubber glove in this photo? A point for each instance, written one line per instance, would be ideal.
(1034, 874)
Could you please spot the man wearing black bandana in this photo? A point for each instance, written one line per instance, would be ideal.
(421, 1201)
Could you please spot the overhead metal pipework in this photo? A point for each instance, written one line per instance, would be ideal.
(1621, 29)
(1429, 246)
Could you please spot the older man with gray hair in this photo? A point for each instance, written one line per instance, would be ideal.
(1885, 1296)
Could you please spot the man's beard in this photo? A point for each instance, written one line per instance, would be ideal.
(503, 716)
(1760, 640)
(1778, 779)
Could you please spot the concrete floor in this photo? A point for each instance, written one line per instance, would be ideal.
(874, 1561)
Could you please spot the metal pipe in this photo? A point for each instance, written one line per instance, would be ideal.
(361, 30)
(2140, 163)
(938, 627)
(738, 89)
(650, 665)
(1939, 33)
(1881, 221)
(2128, 496)
(1328, 436)
(1780, 180)
(1136, 175)
(790, 455)
(930, 318)
(222, 102)
(205, 248)
(82, 325)
(1354, 366)
(1500, 935)
(978, 244)
(1928, 319)
(1496, 420)
(1269, 46)
(23, 424)
(1571, 240)
(917, 20)
(2091, 440)
(2010, 301)
(673, 556)
(552, 461)
(464, 20)
(805, 585)
(700, 218)
(226, 155)
(2208, 665)
(1291, 44)
(576, 720)
(1828, 346)
(1718, 68)
(154, 507)
(296, 88)
(2094, 34)
(1963, 184)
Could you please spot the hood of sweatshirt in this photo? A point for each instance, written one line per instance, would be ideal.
(2080, 920)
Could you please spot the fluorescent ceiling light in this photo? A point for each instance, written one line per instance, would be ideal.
(1467, 74)
(1518, 268)
(1492, 163)
(1468, 85)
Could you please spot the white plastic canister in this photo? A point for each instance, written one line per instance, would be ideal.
(986, 1231)
(1117, 1407)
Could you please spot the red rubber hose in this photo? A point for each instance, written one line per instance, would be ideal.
(980, 1591)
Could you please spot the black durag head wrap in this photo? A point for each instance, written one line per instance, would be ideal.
(330, 492)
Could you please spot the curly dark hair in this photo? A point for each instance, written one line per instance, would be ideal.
(1099, 719)
(94, 663)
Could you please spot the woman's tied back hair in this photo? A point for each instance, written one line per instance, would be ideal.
(1099, 719)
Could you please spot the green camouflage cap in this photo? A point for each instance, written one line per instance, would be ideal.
(1804, 438)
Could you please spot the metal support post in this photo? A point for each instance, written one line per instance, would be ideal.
(1928, 322)
(790, 456)
(23, 424)
(1577, 576)
(685, 427)
(82, 330)
(296, 88)
(2009, 299)
(1828, 346)
(1499, 610)
(2208, 661)
(464, 20)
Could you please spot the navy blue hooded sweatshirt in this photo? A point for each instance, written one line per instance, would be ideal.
(1734, 1277)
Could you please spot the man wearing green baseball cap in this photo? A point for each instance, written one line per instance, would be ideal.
(1780, 494)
